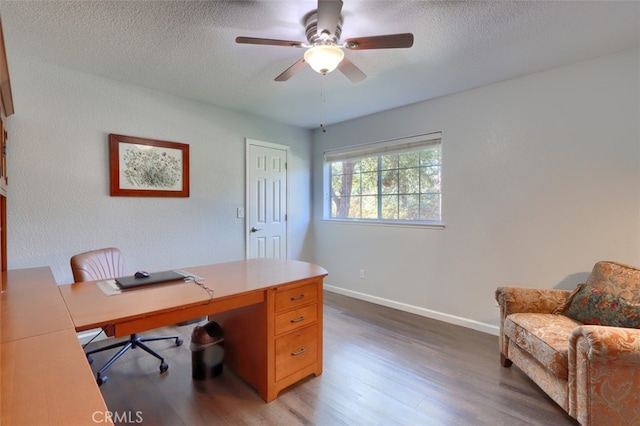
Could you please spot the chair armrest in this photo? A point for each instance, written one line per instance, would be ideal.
(536, 300)
(604, 375)
(521, 299)
(608, 345)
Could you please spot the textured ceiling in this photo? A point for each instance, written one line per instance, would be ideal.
(187, 48)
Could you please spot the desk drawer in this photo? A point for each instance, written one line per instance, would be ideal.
(296, 350)
(299, 296)
(292, 320)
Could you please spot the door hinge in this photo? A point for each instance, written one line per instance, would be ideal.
(285, 217)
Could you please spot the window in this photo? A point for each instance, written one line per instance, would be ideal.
(395, 181)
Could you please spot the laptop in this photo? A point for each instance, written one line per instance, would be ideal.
(126, 283)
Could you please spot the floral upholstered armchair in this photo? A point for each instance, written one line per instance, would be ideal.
(582, 347)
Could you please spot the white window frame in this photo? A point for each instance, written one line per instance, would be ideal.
(372, 149)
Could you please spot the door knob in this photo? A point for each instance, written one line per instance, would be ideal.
(254, 229)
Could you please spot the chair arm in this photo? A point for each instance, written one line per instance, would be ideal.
(536, 300)
(522, 299)
(604, 375)
(608, 344)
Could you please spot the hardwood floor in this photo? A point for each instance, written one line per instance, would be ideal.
(381, 366)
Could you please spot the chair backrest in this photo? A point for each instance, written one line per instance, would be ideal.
(99, 264)
(616, 278)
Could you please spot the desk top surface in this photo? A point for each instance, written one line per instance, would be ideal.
(89, 307)
(46, 380)
(30, 305)
(44, 374)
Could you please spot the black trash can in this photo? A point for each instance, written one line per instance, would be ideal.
(207, 351)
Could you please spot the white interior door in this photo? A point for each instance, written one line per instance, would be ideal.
(267, 197)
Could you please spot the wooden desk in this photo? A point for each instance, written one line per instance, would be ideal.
(270, 311)
(46, 380)
(44, 376)
(31, 305)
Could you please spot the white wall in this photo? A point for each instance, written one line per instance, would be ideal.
(541, 179)
(59, 202)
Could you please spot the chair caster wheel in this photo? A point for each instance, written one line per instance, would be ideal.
(101, 379)
(90, 359)
(164, 367)
(179, 341)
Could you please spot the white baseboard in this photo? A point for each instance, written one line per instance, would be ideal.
(452, 319)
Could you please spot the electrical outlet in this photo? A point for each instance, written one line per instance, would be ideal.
(362, 276)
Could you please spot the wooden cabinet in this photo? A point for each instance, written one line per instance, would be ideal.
(6, 109)
(3, 197)
(291, 320)
(297, 332)
(3, 159)
(6, 98)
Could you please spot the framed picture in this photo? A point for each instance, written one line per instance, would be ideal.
(148, 168)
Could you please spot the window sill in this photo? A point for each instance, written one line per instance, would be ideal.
(422, 225)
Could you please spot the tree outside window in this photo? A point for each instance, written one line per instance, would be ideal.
(390, 186)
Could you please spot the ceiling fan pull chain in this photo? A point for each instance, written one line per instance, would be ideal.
(322, 103)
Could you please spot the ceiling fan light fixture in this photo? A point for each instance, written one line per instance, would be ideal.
(324, 58)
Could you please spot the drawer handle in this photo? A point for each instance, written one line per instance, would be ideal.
(298, 297)
(302, 318)
(300, 352)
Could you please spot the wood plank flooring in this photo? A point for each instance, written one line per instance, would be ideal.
(381, 366)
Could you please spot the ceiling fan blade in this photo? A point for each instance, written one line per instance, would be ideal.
(351, 71)
(289, 72)
(389, 41)
(268, 41)
(328, 15)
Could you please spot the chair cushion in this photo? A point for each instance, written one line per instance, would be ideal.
(544, 336)
(596, 307)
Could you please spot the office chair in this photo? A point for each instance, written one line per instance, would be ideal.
(103, 264)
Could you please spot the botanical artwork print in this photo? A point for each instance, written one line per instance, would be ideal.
(147, 167)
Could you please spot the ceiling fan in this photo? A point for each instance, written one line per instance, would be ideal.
(324, 52)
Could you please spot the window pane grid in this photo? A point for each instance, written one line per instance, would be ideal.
(394, 187)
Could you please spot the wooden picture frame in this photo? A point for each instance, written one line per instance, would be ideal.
(148, 167)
